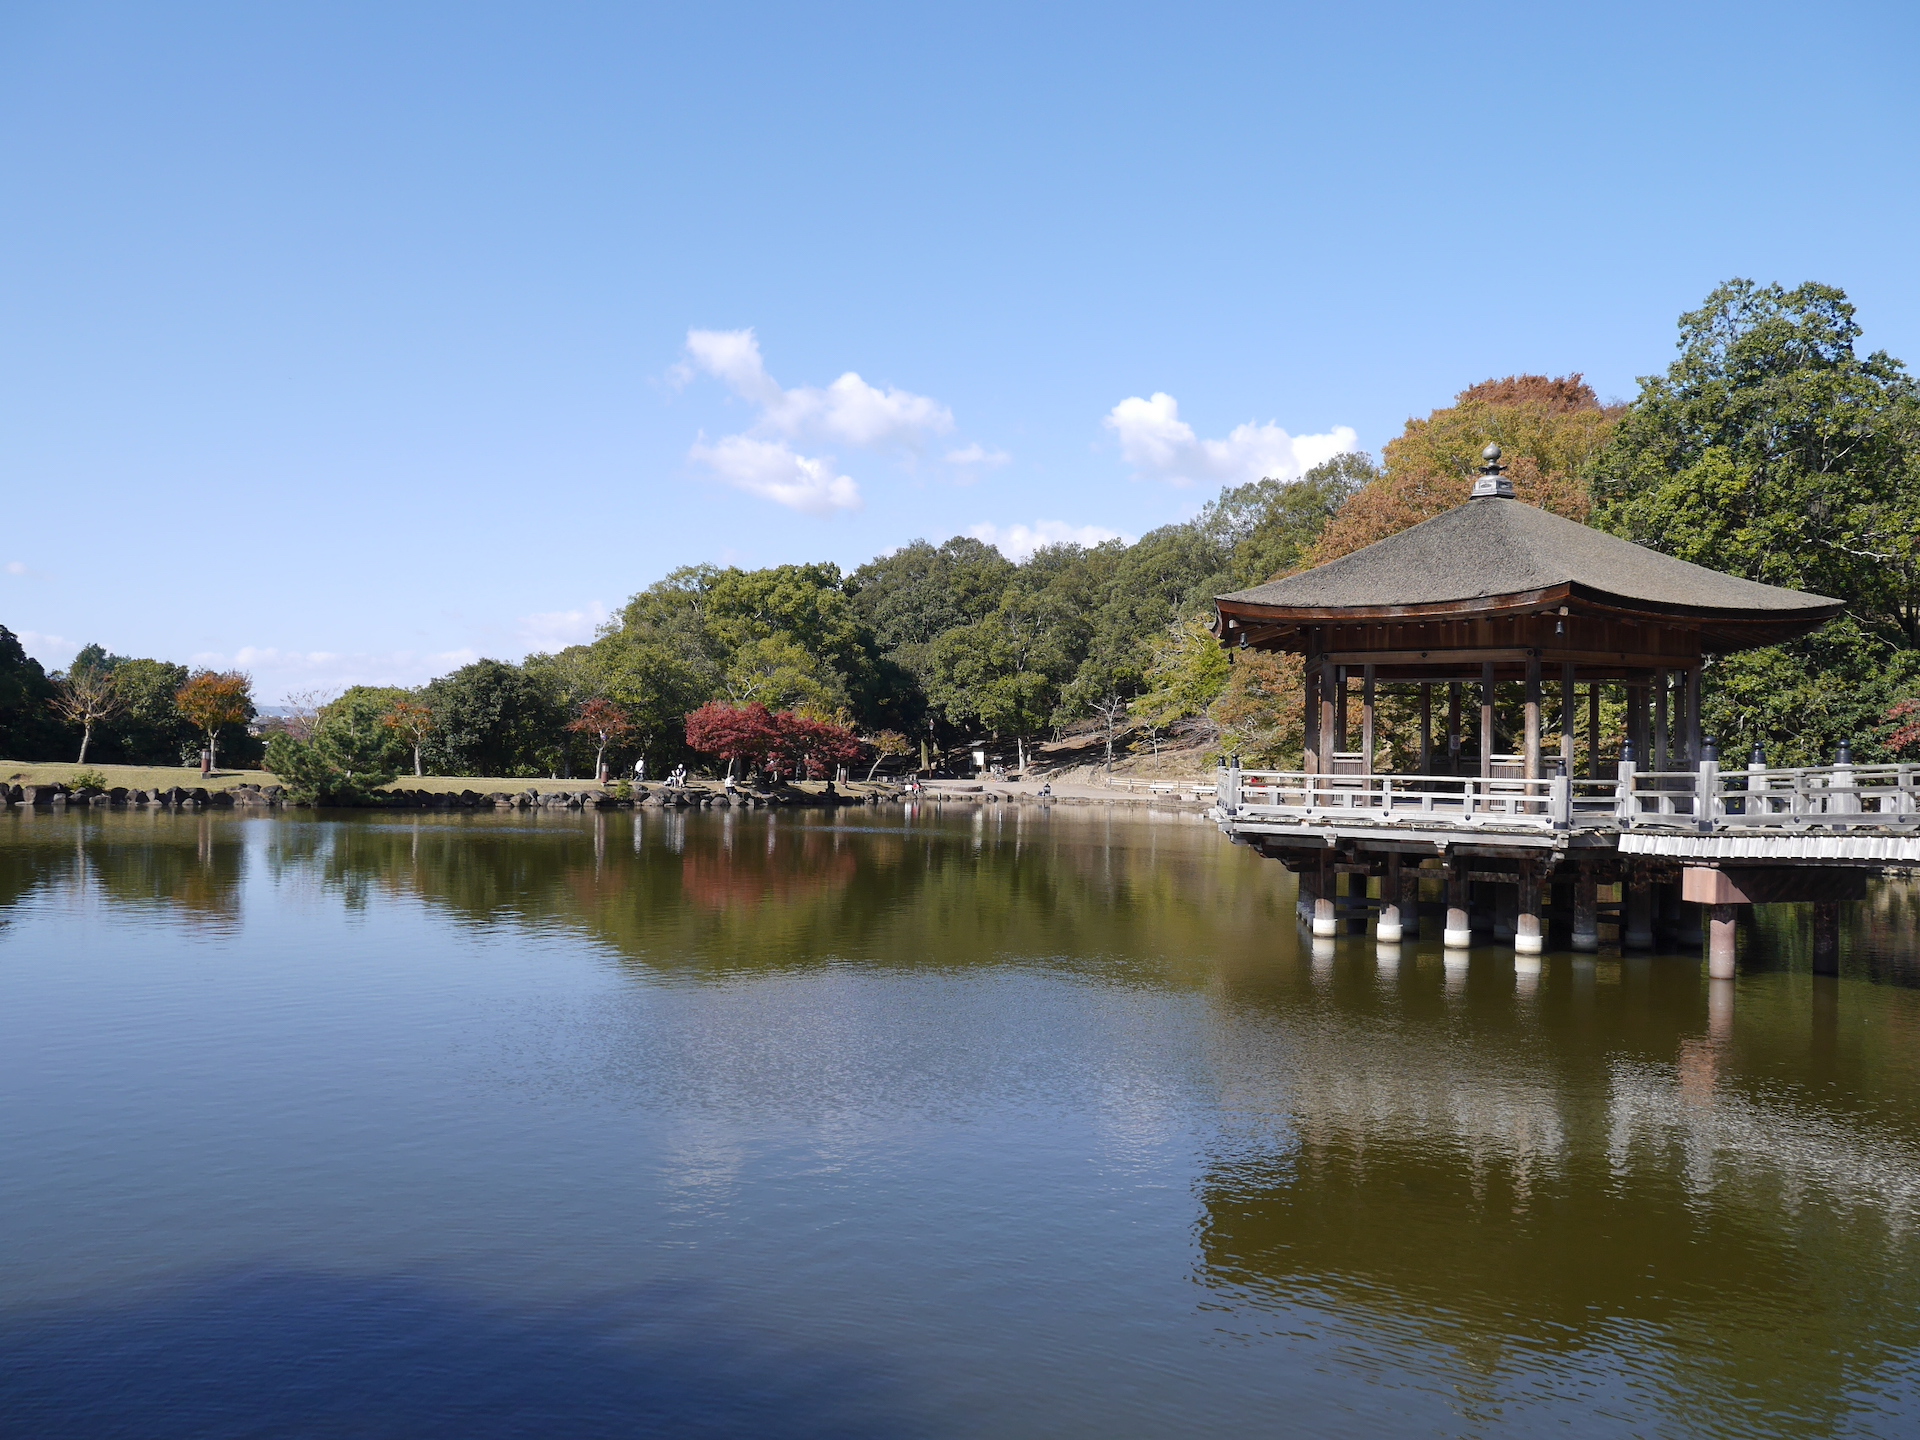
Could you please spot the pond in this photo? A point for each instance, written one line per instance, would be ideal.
(1007, 1122)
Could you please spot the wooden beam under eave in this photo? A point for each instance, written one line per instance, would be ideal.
(1515, 655)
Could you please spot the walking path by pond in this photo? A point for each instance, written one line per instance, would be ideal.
(910, 1121)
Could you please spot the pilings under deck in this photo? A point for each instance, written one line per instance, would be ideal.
(1501, 891)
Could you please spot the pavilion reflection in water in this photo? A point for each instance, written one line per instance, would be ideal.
(1527, 1187)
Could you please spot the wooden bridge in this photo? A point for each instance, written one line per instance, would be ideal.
(1499, 594)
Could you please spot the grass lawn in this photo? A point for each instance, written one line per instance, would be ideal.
(158, 777)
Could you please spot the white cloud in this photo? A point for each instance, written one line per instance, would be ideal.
(763, 459)
(774, 471)
(277, 672)
(732, 356)
(557, 629)
(1017, 542)
(849, 411)
(1157, 442)
(52, 651)
(978, 454)
(17, 567)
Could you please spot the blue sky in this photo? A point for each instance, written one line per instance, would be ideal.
(349, 342)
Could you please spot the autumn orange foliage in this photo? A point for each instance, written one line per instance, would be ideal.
(1548, 427)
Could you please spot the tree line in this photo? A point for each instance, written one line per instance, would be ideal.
(1769, 448)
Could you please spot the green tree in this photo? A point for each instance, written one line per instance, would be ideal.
(150, 730)
(334, 768)
(494, 719)
(1170, 574)
(808, 606)
(1269, 528)
(1186, 675)
(1770, 449)
(1004, 673)
(28, 727)
(782, 674)
(356, 724)
(914, 595)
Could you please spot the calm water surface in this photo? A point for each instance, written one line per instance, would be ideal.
(995, 1124)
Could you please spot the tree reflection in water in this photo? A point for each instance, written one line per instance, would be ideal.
(1613, 1178)
(189, 866)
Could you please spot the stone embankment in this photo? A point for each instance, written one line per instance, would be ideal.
(690, 797)
(269, 796)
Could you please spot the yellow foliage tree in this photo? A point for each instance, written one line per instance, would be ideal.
(1260, 715)
(1547, 428)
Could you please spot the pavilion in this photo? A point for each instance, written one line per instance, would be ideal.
(1496, 591)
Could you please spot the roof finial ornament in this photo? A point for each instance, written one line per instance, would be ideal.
(1493, 483)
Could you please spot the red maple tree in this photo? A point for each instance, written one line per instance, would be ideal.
(607, 723)
(743, 733)
(1905, 716)
(786, 743)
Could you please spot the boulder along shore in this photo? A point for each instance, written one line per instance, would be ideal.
(268, 797)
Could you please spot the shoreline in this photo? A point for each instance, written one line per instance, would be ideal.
(254, 797)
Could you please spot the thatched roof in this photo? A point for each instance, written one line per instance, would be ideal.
(1498, 555)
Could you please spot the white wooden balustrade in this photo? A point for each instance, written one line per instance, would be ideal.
(1703, 799)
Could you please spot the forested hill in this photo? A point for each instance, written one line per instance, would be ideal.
(954, 636)
(1769, 448)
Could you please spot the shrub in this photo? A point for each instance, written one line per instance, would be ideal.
(87, 780)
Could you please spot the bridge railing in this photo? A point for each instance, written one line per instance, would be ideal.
(1828, 794)
(1440, 797)
(1706, 798)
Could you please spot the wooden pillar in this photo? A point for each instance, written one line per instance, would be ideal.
(1506, 911)
(1662, 736)
(1327, 719)
(1637, 725)
(1693, 718)
(1310, 721)
(1723, 931)
(1486, 720)
(1310, 749)
(1356, 904)
(1637, 931)
(1323, 921)
(1586, 911)
(1426, 727)
(1679, 919)
(1533, 717)
(1389, 928)
(1566, 715)
(1459, 931)
(1453, 727)
(1409, 901)
(1826, 937)
(1339, 708)
(1593, 729)
(1366, 719)
(1309, 878)
(1528, 936)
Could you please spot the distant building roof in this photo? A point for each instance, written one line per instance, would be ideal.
(1495, 555)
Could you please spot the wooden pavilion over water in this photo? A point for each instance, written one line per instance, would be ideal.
(1497, 592)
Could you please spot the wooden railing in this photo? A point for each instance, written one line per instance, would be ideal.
(1868, 795)
(1451, 797)
(1706, 798)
